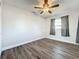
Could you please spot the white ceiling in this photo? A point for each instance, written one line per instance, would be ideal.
(28, 6)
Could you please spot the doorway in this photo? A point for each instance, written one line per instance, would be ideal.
(77, 39)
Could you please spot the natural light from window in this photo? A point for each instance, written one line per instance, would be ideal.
(58, 23)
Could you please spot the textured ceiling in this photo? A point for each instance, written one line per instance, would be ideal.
(28, 5)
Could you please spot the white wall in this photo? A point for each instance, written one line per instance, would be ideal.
(20, 27)
(73, 22)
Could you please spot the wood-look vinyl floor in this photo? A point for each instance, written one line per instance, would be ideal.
(43, 49)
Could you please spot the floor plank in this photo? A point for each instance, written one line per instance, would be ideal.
(43, 49)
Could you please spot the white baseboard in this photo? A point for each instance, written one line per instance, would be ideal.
(16, 45)
(65, 41)
(9, 47)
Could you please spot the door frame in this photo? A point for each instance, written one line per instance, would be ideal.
(77, 35)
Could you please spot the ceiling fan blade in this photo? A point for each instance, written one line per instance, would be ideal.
(50, 11)
(57, 5)
(38, 7)
(45, 1)
(41, 12)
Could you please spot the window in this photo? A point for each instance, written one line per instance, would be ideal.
(58, 23)
(60, 26)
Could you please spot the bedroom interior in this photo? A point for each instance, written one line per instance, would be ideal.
(39, 29)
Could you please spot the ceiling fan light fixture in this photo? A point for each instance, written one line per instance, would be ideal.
(45, 7)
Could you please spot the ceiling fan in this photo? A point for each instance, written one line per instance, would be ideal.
(46, 7)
